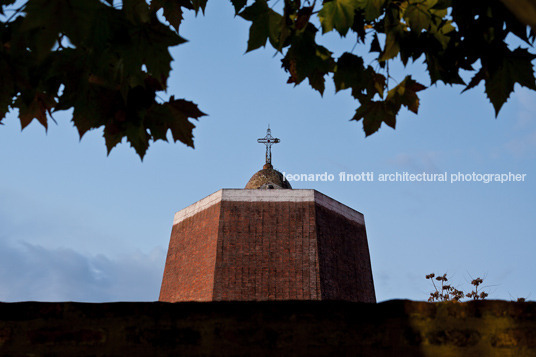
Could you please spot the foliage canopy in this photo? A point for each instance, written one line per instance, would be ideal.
(108, 60)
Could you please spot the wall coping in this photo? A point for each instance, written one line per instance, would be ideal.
(245, 195)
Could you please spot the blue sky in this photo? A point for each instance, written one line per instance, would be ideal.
(76, 224)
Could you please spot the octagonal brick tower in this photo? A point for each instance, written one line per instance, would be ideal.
(268, 242)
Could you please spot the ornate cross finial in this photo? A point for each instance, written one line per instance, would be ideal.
(268, 140)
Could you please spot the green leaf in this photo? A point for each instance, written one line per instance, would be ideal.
(442, 5)
(302, 17)
(153, 41)
(35, 108)
(351, 73)
(337, 14)
(266, 24)
(372, 8)
(443, 68)
(306, 59)
(139, 119)
(138, 138)
(136, 11)
(375, 44)
(418, 15)
(199, 5)
(392, 43)
(239, 5)
(477, 78)
(101, 68)
(173, 13)
(173, 116)
(172, 10)
(113, 61)
(515, 67)
(46, 19)
(374, 113)
(182, 110)
(443, 32)
(405, 93)
(113, 135)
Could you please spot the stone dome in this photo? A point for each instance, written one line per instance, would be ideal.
(268, 178)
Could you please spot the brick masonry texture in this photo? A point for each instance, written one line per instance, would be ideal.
(191, 257)
(275, 328)
(344, 259)
(267, 251)
(252, 247)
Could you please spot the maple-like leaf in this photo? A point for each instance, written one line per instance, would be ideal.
(373, 114)
(392, 43)
(337, 14)
(173, 116)
(36, 108)
(375, 44)
(199, 5)
(515, 67)
(371, 8)
(154, 40)
(418, 14)
(405, 93)
(45, 20)
(306, 59)
(351, 73)
(172, 10)
(239, 5)
(265, 24)
(180, 127)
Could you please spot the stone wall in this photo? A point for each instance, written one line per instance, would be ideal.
(312, 328)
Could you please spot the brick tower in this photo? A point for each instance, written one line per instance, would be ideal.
(268, 242)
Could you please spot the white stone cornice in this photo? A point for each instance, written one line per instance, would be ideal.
(243, 195)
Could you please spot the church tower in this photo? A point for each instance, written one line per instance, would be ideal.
(268, 242)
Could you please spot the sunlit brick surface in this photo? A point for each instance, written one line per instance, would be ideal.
(189, 271)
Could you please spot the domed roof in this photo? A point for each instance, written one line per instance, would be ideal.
(268, 178)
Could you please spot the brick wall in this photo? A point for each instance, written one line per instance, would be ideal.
(344, 260)
(191, 258)
(267, 251)
(255, 245)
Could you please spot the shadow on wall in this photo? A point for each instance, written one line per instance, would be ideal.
(398, 327)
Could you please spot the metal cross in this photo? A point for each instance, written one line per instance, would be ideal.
(268, 140)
